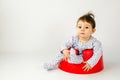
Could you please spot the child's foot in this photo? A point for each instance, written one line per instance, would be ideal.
(49, 66)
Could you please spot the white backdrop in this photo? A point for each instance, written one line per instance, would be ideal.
(32, 31)
(40, 26)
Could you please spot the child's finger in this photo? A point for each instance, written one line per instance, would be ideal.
(86, 68)
(65, 58)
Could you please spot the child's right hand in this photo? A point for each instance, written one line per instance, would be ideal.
(66, 54)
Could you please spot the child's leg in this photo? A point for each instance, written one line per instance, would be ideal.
(75, 57)
(53, 64)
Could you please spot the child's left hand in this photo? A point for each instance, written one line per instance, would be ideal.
(87, 67)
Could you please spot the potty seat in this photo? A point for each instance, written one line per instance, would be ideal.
(77, 68)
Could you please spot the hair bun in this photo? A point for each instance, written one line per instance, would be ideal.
(90, 15)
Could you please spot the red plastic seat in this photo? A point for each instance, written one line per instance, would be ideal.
(77, 68)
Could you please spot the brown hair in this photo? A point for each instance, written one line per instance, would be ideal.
(89, 17)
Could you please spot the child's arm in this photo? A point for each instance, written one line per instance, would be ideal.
(97, 53)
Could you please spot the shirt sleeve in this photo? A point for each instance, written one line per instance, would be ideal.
(97, 53)
(67, 44)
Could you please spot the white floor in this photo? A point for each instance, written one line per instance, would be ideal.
(22, 66)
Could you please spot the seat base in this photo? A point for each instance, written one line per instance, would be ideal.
(77, 68)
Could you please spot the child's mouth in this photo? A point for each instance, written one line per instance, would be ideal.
(82, 33)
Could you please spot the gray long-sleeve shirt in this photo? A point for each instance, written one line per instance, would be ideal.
(93, 43)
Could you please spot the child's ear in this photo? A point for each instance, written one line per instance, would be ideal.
(94, 30)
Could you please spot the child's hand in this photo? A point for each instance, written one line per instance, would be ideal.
(87, 67)
(66, 54)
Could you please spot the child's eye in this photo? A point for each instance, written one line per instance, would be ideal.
(79, 27)
(86, 27)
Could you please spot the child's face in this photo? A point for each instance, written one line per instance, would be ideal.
(84, 29)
